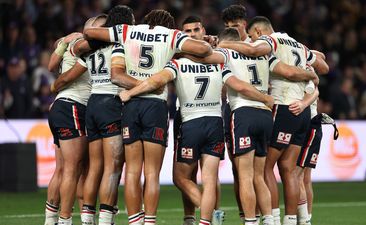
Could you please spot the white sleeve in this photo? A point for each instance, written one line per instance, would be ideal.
(118, 50)
(82, 61)
(311, 57)
(270, 40)
(226, 73)
(178, 40)
(172, 66)
(117, 33)
(272, 62)
(224, 52)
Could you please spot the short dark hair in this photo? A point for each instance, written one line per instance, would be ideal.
(120, 14)
(192, 19)
(159, 17)
(258, 19)
(229, 34)
(234, 12)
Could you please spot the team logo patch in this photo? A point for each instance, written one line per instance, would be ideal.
(314, 159)
(158, 134)
(284, 138)
(112, 128)
(244, 142)
(65, 132)
(187, 153)
(125, 132)
(219, 148)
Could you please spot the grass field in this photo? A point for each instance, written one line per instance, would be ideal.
(335, 204)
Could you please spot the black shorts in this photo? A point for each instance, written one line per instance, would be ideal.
(103, 116)
(288, 128)
(251, 129)
(145, 119)
(199, 136)
(66, 120)
(227, 133)
(310, 150)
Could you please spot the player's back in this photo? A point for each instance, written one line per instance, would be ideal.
(198, 88)
(253, 70)
(293, 53)
(99, 68)
(148, 50)
(78, 90)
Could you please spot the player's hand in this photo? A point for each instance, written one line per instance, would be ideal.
(269, 101)
(297, 107)
(124, 96)
(159, 91)
(69, 38)
(316, 78)
(212, 40)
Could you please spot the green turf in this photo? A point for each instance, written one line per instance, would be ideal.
(335, 204)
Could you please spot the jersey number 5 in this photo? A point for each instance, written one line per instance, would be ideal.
(146, 56)
(203, 82)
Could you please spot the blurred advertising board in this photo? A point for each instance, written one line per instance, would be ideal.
(341, 160)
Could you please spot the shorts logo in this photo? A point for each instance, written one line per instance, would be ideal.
(219, 148)
(158, 134)
(65, 132)
(284, 138)
(187, 153)
(112, 128)
(126, 132)
(314, 159)
(244, 142)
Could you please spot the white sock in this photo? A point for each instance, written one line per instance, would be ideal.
(63, 221)
(268, 220)
(136, 219)
(204, 222)
(310, 216)
(250, 221)
(302, 212)
(276, 213)
(51, 214)
(87, 218)
(289, 220)
(150, 219)
(105, 217)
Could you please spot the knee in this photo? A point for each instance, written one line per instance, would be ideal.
(287, 167)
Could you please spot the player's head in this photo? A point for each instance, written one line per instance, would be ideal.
(192, 26)
(236, 16)
(258, 26)
(159, 17)
(120, 14)
(229, 34)
(96, 21)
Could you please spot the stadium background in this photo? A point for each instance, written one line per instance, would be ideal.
(337, 28)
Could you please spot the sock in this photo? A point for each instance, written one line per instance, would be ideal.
(258, 217)
(204, 222)
(268, 220)
(189, 218)
(115, 212)
(276, 216)
(242, 216)
(302, 212)
(88, 215)
(290, 220)
(51, 214)
(135, 219)
(250, 221)
(310, 216)
(142, 215)
(64, 221)
(105, 214)
(150, 219)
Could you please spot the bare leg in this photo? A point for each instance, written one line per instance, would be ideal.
(309, 189)
(261, 189)
(269, 176)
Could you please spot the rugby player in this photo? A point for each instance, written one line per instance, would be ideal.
(148, 47)
(288, 131)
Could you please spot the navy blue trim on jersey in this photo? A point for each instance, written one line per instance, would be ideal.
(115, 33)
(180, 39)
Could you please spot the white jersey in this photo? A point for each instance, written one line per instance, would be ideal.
(78, 90)
(314, 108)
(253, 70)
(147, 50)
(291, 52)
(99, 68)
(198, 88)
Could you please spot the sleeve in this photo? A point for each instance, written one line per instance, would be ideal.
(82, 61)
(172, 66)
(224, 52)
(310, 57)
(178, 39)
(272, 62)
(270, 40)
(226, 72)
(118, 33)
(118, 51)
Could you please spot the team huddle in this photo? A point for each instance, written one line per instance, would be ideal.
(111, 110)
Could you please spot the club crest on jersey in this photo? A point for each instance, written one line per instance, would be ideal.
(284, 138)
(187, 153)
(266, 38)
(125, 132)
(244, 142)
(314, 159)
(119, 28)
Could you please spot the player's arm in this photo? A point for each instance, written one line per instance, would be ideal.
(97, 33)
(255, 49)
(317, 61)
(196, 47)
(292, 73)
(218, 56)
(57, 55)
(298, 107)
(152, 83)
(81, 47)
(69, 76)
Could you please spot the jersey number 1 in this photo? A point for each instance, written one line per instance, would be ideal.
(254, 71)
